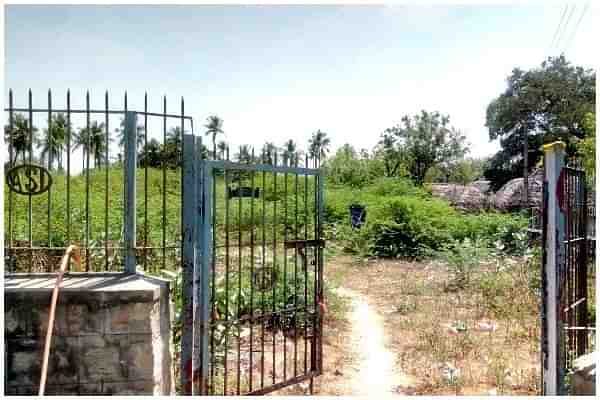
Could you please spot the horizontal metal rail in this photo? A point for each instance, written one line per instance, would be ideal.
(80, 111)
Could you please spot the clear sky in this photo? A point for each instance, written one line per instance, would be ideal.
(280, 72)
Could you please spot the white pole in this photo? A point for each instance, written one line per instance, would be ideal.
(554, 156)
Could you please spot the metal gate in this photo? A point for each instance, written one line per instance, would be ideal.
(573, 281)
(255, 323)
(571, 262)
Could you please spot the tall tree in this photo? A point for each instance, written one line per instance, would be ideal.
(538, 106)
(245, 154)
(95, 147)
(120, 131)
(19, 134)
(318, 146)
(222, 149)
(290, 153)
(214, 127)
(586, 148)
(52, 142)
(268, 153)
(425, 140)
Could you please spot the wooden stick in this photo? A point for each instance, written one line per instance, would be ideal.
(63, 267)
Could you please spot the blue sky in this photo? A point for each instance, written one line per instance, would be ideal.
(279, 72)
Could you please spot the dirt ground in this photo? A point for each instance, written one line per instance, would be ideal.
(403, 333)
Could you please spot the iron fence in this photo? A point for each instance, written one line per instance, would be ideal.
(83, 151)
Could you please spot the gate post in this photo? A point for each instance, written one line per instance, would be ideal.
(552, 327)
(130, 191)
(189, 205)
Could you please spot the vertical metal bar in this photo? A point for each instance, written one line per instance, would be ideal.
(321, 263)
(226, 331)
(130, 191)
(305, 267)
(188, 208)
(239, 308)
(583, 273)
(262, 285)
(285, 239)
(180, 162)
(88, 147)
(50, 148)
(252, 261)
(275, 266)
(316, 294)
(164, 187)
(206, 252)
(145, 181)
(106, 188)
(296, 236)
(213, 242)
(30, 208)
(69, 134)
(11, 161)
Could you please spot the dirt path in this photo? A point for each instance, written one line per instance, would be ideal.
(374, 371)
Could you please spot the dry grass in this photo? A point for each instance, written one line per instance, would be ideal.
(435, 332)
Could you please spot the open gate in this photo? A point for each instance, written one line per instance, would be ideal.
(255, 273)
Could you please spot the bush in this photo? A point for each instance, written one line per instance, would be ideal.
(406, 221)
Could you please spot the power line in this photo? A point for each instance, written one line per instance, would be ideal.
(568, 43)
(559, 25)
(564, 30)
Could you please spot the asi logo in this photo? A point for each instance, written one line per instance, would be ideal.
(28, 179)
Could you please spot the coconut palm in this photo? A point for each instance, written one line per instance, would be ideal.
(52, 143)
(290, 153)
(214, 126)
(318, 146)
(20, 137)
(245, 154)
(92, 142)
(120, 131)
(268, 153)
(222, 149)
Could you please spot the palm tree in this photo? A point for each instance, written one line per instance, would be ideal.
(172, 148)
(318, 146)
(52, 142)
(214, 126)
(120, 131)
(19, 134)
(268, 152)
(245, 154)
(290, 153)
(222, 149)
(97, 142)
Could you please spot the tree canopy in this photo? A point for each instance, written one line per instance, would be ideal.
(543, 104)
(420, 142)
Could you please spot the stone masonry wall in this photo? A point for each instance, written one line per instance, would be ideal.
(111, 337)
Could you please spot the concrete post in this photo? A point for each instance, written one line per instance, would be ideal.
(553, 374)
(130, 191)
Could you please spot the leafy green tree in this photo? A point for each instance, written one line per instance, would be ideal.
(172, 149)
(543, 105)
(52, 142)
(95, 147)
(214, 127)
(586, 148)
(318, 146)
(152, 154)
(19, 134)
(347, 168)
(423, 141)
(390, 151)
